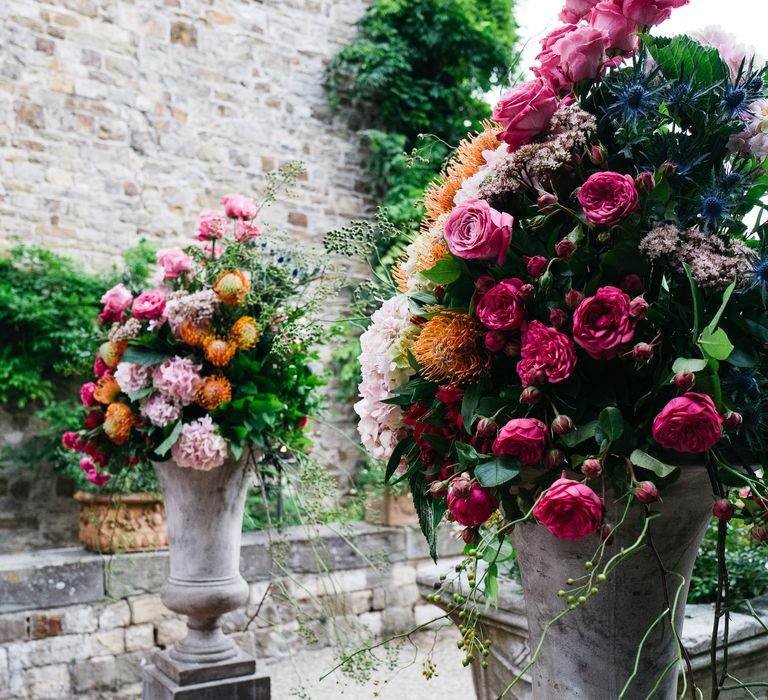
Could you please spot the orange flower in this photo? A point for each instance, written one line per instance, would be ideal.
(107, 388)
(212, 392)
(245, 333)
(118, 422)
(450, 350)
(231, 286)
(111, 352)
(219, 351)
(193, 335)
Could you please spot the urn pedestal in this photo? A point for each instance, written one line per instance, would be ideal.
(205, 512)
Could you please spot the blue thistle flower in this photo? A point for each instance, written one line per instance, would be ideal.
(760, 277)
(712, 209)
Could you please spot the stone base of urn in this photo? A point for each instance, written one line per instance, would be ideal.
(391, 510)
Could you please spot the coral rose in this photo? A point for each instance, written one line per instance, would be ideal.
(476, 231)
(608, 197)
(649, 12)
(546, 353)
(501, 308)
(524, 112)
(149, 305)
(524, 438)
(602, 323)
(471, 507)
(569, 510)
(688, 423)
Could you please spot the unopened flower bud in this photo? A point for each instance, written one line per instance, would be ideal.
(554, 459)
(723, 510)
(573, 297)
(606, 534)
(484, 284)
(565, 249)
(732, 422)
(512, 348)
(558, 318)
(759, 533)
(631, 284)
(526, 292)
(592, 468)
(531, 395)
(486, 428)
(638, 308)
(667, 169)
(562, 425)
(470, 535)
(645, 181)
(598, 155)
(685, 380)
(642, 353)
(439, 292)
(647, 492)
(545, 201)
(494, 341)
(461, 485)
(536, 265)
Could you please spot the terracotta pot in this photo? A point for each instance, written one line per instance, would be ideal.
(111, 523)
(391, 510)
(590, 652)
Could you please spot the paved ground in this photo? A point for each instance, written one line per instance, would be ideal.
(451, 680)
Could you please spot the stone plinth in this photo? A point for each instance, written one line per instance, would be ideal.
(158, 686)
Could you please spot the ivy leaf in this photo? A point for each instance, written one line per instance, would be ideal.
(611, 422)
(144, 356)
(444, 271)
(645, 461)
(684, 364)
(716, 344)
(170, 441)
(498, 471)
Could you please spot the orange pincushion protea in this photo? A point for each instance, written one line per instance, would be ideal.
(450, 350)
(231, 286)
(212, 392)
(219, 352)
(245, 333)
(427, 248)
(193, 335)
(118, 422)
(107, 389)
(111, 352)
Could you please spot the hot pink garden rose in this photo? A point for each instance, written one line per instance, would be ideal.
(524, 112)
(574, 10)
(547, 355)
(212, 225)
(524, 438)
(569, 510)
(174, 262)
(688, 423)
(608, 197)
(649, 12)
(238, 206)
(621, 31)
(472, 508)
(501, 308)
(602, 323)
(86, 394)
(115, 301)
(149, 305)
(476, 231)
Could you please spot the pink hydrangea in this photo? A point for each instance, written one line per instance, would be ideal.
(175, 262)
(735, 54)
(212, 225)
(160, 411)
(238, 206)
(200, 446)
(115, 301)
(754, 139)
(132, 377)
(177, 379)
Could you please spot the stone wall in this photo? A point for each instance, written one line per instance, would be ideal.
(74, 623)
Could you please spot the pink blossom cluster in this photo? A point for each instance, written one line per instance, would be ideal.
(200, 446)
(177, 379)
(132, 377)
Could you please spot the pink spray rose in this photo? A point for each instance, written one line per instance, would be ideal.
(574, 10)
(547, 354)
(115, 301)
(149, 305)
(475, 231)
(71, 441)
(602, 323)
(524, 438)
(688, 423)
(86, 394)
(501, 309)
(174, 262)
(569, 510)
(577, 54)
(536, 265)
(471, 507)
(607, 17)
(238, 206)
(212, 225)
(608, 197)
(649, 12)
(524, 112)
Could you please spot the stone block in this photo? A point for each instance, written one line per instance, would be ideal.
(47, 681)
(13, 628)
(42, 626)
(139, 637)
(184, 34)
(395, 619)
(170, 631)
(426, 614)
(132, 574)
(147, 609)
(79, 619)
(97, 673)
(157, 686)
(108, 642)
(129, 667)
(115, 615)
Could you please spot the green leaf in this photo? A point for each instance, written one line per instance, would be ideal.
(469, 403)
(467, 455)
(684, 364)
(144, 356)
(716, 345)
(683, 58)
(170, 441)
(582, 433)
(430, 511)
(140, 393)
(236, 449)
(611, 422)
(402, 447)
(697, 301)
(444, 271)
(491, 588)
(726, 298)
(645, 461)
(498, 471)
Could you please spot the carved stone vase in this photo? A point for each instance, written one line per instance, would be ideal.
(590, 653)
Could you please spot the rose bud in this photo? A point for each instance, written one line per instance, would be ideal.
(71, 440)
(494, 341)
(472, 508)
(536, 265)
(562, 425)
(565, 249)
(592, 468)
(558, 318)
(631, 284)
(642, 353)
(526, 292)
(647, 492)
(732, 421)
(531, 395)
(512, 348)
(573, 297)
(484, 284)
(598, 155)
(684, 380)
(645, 181)
(638, 308)
(486, 428)
(470, 535)
(667, 169)
(438, 489)
(133, 460)
(606, 534)
(440, 293)
(723, 510)
(554, 459)
(461, 485)
(545, 201)
(759, 534)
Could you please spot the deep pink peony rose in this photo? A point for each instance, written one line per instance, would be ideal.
(501, 309)
(99, 366)
(473, 508)
(608, 197)
(688, 423)
(524, 112)
(569, 510)
(174, 262)
(536, 265)
(602, 323)
(574, 10)
(524, 438)
(649, 12)
(621, 31)
(238, 206)
(115, 301)
(475, 231)
(86, 394)
(149, 305)
(71, 441)
(547, 354)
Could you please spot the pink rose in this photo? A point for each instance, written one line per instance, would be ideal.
(524, 112)
(570, 55)
(86, 394)
(501, 309)
(149, 306)
(649, 12)
(174, 262)
(471, 507)
(536, 265)
(71, 441)
(115, 301)
(608, 197)
(212, 225)
(475, 231)
(547, 354)
(688, 423)
(524, 438)
(621, 32)
(99, 366)
(246, 230)
(549, 69)
(569, 510)
(602, 323)
(575, 10)
(238, 206)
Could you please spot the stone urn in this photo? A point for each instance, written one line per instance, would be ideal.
(590, 653)
(205, 514)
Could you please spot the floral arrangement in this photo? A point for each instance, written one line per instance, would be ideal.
(584, 310)
(214, 359)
